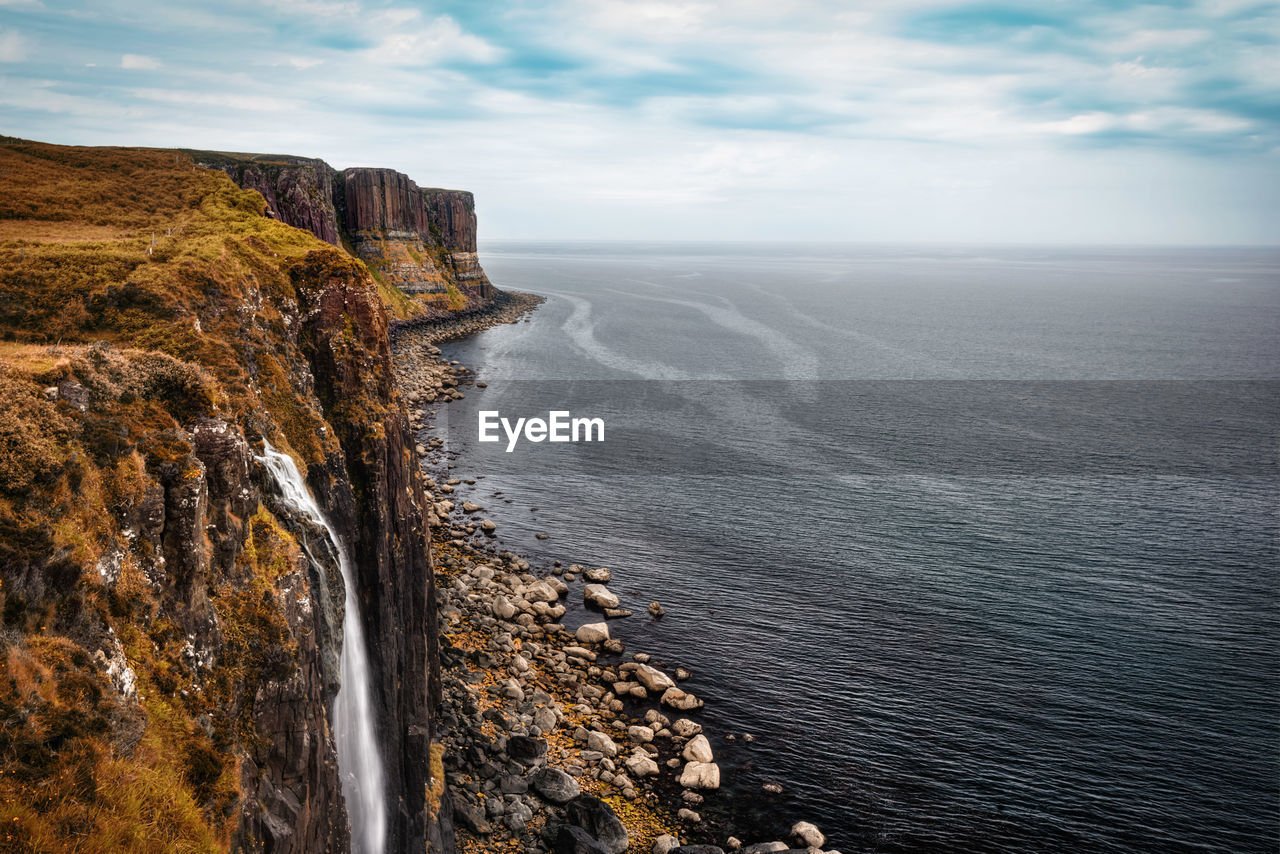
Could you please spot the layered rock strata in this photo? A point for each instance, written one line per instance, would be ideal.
(421, 241)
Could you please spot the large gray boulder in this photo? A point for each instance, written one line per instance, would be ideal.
(575, 840)
(653, 678)
(701, 775)
(600, 596)
(541, 591)
(639, 764)
(684, 727)
(555, 785)
(597, 740)
(592, 633)
(698, 749)
(503, 609)
(680, 700)
(598, 819)
(526, 750)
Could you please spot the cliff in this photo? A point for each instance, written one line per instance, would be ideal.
(172, 628)
(418, 243)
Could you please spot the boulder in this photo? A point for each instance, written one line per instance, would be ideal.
(640, 765)
(640, 734)
(600, 576)
(685, 728)
(698, 849)
(807, 833)
(698, 749)
(700, 775)
(575, 840)
(592, 633)
(554, 785)
(526, 750)
(598, 819)
(486, 525)
(512, 785)
(468, 507)
(600, 596)
(677, 699)
(502, 608)
(541, 592)
(653, 678)
(656, 609)
(473, 818)
(657, 720)
(765, 848)
(597, 740)
(545, 719)
(665, 843)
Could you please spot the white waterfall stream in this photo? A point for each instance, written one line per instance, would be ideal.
(359, 761)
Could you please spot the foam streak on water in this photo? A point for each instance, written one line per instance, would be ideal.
(359, 761)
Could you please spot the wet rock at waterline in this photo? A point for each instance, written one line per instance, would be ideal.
(600, 596)
(807, 833)
(593, 633)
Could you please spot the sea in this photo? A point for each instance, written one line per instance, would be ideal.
(979, 544)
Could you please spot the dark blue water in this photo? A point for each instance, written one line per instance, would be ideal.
(980, 544)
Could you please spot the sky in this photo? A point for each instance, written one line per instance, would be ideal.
(1090, 121)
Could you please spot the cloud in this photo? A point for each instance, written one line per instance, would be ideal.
(406, 37)
(137, 62)
(231, 101)
(717, 110)
(12, 46)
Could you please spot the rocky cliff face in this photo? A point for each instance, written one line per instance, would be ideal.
(299, 191)
(172, 630)
(388, 227)
(379, 497)
(422, 242)
(454, 213)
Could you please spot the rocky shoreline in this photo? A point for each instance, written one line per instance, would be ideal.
(555, 739)
(434, 326)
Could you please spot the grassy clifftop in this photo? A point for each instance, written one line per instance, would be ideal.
(150, 599)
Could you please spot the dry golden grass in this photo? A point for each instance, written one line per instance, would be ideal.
(62, 789)
(19, 231)
(118, 187)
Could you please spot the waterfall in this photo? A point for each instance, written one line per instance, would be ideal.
(359, 762)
